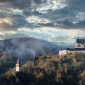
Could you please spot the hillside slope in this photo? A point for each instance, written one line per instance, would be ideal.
(27, 47)
(52, 70)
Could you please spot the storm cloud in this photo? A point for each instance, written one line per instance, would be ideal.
(39, 14)
(67, 14)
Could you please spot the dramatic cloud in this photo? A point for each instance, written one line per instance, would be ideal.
(33, 15)
(76, 5)
(21, 4)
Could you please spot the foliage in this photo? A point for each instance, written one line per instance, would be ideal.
(54, 70)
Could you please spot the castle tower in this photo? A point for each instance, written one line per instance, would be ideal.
(18, 68)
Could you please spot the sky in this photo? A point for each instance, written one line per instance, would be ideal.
(57, 21)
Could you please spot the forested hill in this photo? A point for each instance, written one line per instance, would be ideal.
(51, 70)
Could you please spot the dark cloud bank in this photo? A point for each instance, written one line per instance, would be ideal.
(63, 18)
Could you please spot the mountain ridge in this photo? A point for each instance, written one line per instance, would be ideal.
(20, 47)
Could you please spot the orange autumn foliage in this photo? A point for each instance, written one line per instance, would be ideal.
(41, 75)
(49, 56)
(38, 61)
(74, 59)
(59, 76)
(61, 69)
(59, 57)
(83, 73)
(45, 67)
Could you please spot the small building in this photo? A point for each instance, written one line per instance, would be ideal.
(18, 68)
(79, 47)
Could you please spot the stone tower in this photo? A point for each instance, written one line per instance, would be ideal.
(79, 43)
(18, 68)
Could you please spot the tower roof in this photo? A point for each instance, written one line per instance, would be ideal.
(80, 41)
(18, 61)
(76, 49)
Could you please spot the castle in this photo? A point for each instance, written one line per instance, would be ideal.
(79, 47)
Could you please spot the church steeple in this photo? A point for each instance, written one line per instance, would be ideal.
(78, 40)
(18, 68)
(18, 61)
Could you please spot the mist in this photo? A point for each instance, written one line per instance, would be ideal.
(27, 47)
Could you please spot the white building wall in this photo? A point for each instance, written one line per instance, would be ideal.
(62, 52)
(79, 45)
(18, 68)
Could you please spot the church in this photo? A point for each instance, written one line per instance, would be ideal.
(18, 68)
(79, 47)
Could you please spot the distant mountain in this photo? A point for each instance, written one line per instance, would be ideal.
(27, 47)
